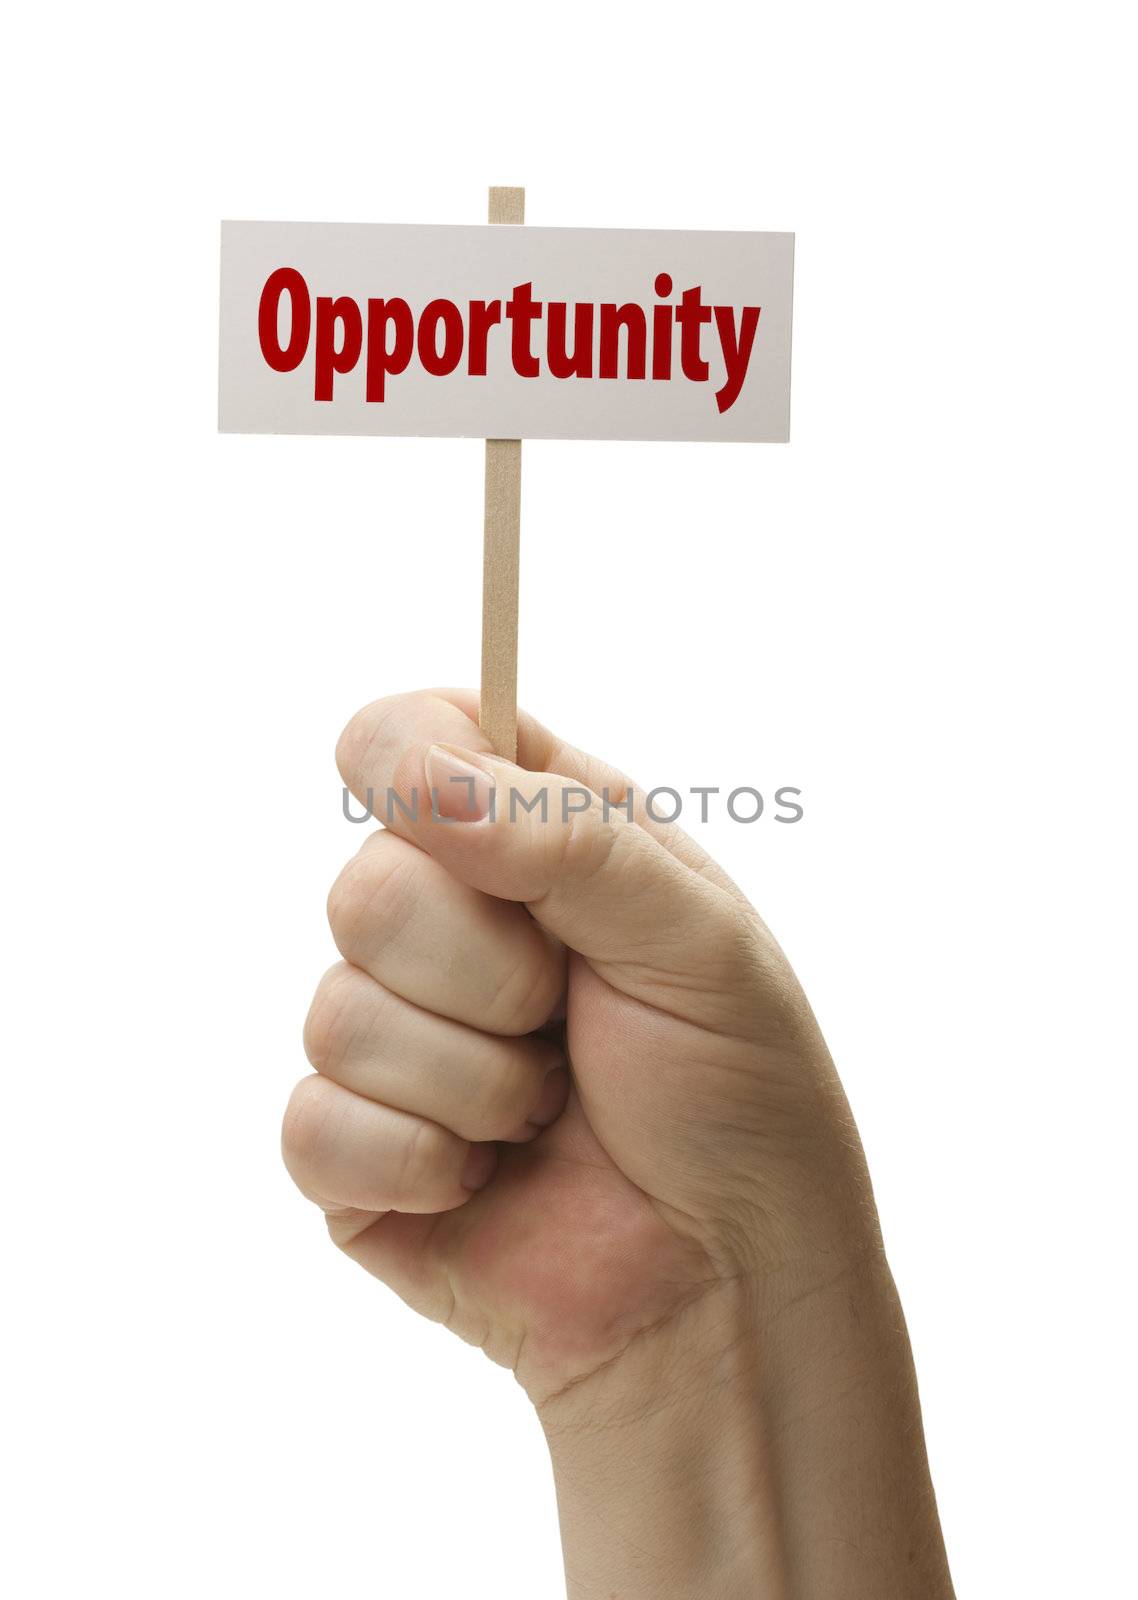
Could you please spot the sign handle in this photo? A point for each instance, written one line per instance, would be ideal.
(498, 706)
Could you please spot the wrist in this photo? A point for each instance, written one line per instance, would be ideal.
(663, 1486)
(766, 1442)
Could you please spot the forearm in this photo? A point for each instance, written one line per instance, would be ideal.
(695, 1176)
(767, 1443)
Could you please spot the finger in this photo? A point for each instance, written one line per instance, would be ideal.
(478, 1085)
(599, 883)
(345, 1152)
(382, 732)
(399, 916)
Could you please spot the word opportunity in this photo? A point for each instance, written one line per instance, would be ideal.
(607, 341)
(505, 332)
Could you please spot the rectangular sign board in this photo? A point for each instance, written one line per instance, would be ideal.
(505, 332)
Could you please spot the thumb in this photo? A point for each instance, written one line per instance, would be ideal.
(589, 873)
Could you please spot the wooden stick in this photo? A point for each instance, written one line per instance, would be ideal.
(498, 707)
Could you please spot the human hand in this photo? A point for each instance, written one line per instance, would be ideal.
(571, 1101)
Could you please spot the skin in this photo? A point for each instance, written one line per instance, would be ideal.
(570, 1100)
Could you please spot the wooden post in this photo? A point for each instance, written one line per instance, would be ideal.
(498, 706)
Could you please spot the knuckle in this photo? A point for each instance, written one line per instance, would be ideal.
(587, 844)
(372, 727)
(304, 1132)
(349, 901)
(357, 738)
(735, 947)
(373, 896)
(524, 996)
(328, 1030)
(715, 945)
(611, 849)
(422, 1161)
(506, 1097)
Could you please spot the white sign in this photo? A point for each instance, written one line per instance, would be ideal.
(505, 332)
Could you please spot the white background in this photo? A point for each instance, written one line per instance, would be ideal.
(918, 612)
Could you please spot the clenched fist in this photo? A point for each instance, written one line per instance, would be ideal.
(570, 1100)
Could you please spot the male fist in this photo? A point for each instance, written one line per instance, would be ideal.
(566, 1082)
(569, 1100)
